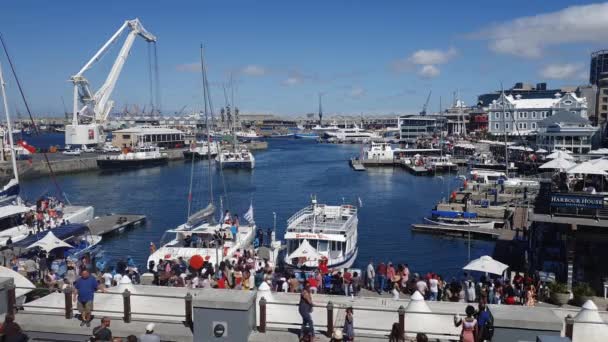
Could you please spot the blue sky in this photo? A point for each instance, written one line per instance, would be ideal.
(376, 57)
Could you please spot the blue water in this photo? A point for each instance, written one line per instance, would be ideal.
(285, 177)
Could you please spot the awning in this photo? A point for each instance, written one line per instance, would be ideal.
(587, 168)
(560, 154)
(305, 251)
(63, 232)
(558, 164)
(486, 264)
(50, 242)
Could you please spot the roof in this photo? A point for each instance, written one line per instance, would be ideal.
(564, 117)
(533, 103)
(62, 232)
(149, 130)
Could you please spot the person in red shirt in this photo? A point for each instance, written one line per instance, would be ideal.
(221, 283)
(348, 279)
(312, 281)
(381, 274)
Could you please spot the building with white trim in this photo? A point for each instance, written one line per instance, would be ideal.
(566, 131)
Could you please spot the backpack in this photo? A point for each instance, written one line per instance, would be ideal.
(487, 331)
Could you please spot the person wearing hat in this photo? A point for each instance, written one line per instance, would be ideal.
(149, 336)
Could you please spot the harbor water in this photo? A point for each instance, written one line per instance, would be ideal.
(287, 174)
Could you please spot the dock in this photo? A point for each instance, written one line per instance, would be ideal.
(104, 225)
(357, 165)
(476, 233)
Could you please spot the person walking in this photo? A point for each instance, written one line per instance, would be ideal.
(485, 322)
(103, 332)
(85, 288)
(434, 287)
(371, 275)
(149, 336)
(469, 325)
(381, 273)
(348, 331)
(305, 307)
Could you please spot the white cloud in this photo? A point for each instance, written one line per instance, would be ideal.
(291, 81)
(528, 36)
(357, 92)
(188, 67)
(254, 70)
(432, 57)
(562, 71)
(429, 71)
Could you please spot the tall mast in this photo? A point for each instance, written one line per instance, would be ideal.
(504, 127)
(207, 103)
(234, 139)
(8, 123)
(321, 111)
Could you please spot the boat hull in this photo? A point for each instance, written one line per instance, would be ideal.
(197, 156)
(114, 164)
(237, 165)
(346, 263)
(306, 136)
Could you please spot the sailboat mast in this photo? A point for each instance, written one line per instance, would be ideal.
(207, 104)
(234, 139)
(8, 123)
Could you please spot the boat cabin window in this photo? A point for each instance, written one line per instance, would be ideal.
(338, 246)
(323, 245)
(10, 222)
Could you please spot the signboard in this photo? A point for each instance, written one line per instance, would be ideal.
(577, 201)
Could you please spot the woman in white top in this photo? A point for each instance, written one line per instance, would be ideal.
(434, 287)
(470, 292)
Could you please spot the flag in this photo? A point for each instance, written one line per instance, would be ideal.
(25, 145)
(249, 214)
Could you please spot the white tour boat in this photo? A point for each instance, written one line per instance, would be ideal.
(354, 134)
(379, 151)
(241, 159)
(440, 164)
(319, 232)
(202, 150)
(145, 156)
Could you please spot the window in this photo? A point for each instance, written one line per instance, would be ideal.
(497, 115)
(506, 114)
(533, 115)
(604, 107)
(604, 99)
(534, 125)
(126, 136)
(605, 91)
(495, 126)
(525, 125)
(507, 126)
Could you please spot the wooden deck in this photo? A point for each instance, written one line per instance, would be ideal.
(114, 223)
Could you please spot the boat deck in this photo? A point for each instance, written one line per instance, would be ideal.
(114, 223)
(481, 233)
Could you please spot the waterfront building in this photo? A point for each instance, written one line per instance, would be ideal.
(566, 131)
(522, 116)
(412, 127)
(145, 135)
(527, 91)
(478, 120)
(598, 77)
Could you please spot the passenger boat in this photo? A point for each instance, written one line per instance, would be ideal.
(241, 159)
(379, 151)
(202, 150)
(354, 134)
(248, 135)
(201, 236)
(307, 136)
(440, 164)
(322, 232)
(146, 156)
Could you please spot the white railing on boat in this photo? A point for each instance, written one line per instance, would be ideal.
(348, 210)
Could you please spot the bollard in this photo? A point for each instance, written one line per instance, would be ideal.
(330, 319)
(188, 301)
(569, 326)
(126, 300)
(11, 299)
(69, 311)
(262, 328)
(401, 312)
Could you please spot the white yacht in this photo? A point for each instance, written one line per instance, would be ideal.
(320, 232)
(461, 222)
(202, 150)
(200, 236)
(144, 156)
(248, 135)
(321, 130)
(240, 159)
(354, 134)
(379, 151)
(440, 164)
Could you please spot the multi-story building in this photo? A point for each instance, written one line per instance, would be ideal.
(412, 127)
(598, 76)
(566, 131)
(522, 116)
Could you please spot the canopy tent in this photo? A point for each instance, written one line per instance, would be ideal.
(486, 264)
(50, 242)
(601, 151)
(541, 150)
(588, 168)
(558, 164)
(560, 154)
(63, 232)
(305, 251)
(601, 163)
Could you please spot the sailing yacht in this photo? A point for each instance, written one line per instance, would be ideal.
(12, 207)
(236, 159)
(322, 232)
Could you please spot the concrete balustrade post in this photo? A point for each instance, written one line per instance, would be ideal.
(330, 319)
(188, 301)
(262, 328)
(11, 299)
(569, 321)
(126, 300)
(69, 309)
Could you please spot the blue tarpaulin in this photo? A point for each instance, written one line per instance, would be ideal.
(62, 232)
(453, 214)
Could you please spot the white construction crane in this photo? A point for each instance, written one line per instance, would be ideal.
(88, 120)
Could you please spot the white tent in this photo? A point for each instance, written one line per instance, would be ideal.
(50, 242)
(305, 251)
(560, 154)
(588, 168)
(601, 163)
(558, 164)
(601, 151)
(486, 264)
(541, 150)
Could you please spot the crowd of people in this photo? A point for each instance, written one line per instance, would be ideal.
(48, 214)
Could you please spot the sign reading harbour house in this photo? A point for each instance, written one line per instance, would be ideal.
(577, 201)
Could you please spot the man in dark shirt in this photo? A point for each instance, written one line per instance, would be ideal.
(103, 332)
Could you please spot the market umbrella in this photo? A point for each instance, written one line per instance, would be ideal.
(588, 168)
(560, 154)
(541, 150)
(50, 242)
(558, 164)
(486, 264)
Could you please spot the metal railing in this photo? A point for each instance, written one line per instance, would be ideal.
(126, 311)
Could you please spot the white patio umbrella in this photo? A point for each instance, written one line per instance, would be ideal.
(588, 168)
(50, 242)
(560, 154)
(486, 264)
(541, 150)
(558, 164)
(305, 250)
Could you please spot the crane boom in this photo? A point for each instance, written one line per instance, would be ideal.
(426, 104)
(97, 106)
